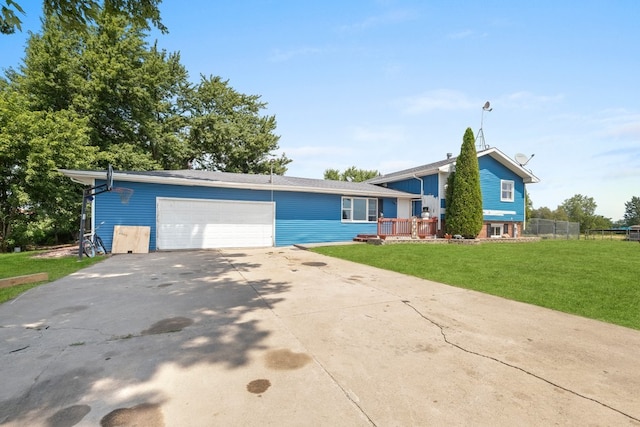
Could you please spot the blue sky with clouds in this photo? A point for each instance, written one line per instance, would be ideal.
(394, 84)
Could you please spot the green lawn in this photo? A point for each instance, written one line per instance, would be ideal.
(599, 279)
(19, 264)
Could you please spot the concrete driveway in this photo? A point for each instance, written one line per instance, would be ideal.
(286, 337)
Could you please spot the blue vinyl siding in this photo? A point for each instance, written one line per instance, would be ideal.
(141, 209)
(431, 185)
(300, 217)
(491, 173)
(292, 231)
(408, 185)
(412, 185)
(389, 207)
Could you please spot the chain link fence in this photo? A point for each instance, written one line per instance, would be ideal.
(551, 229)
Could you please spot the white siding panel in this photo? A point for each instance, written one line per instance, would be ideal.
(207, 224)
(404, 208)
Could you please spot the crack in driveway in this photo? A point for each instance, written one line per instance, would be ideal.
(459, 347)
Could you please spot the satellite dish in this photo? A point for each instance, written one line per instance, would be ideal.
(522, 159)
(487, 106)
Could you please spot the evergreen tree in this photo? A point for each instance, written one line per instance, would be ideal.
(632, 211)
(464, 210)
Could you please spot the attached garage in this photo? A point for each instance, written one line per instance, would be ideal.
(197, 209)
(207, 224)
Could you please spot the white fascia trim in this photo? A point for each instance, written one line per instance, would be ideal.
(421, 173)
(528, 177)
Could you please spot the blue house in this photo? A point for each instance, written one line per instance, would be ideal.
(502, 182)
(192, 209)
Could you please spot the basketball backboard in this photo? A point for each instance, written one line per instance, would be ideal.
(109, 178)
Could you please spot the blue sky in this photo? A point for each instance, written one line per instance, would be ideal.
(394, 84)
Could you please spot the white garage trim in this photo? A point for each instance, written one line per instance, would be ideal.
(207, 224)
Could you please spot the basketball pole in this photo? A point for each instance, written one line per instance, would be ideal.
(90, 193)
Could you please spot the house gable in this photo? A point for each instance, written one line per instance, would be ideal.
(495, 167)
(492, 173)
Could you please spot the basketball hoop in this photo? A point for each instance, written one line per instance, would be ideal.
(124, 193)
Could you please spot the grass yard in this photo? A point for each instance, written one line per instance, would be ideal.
(599, 279)
(19, 264)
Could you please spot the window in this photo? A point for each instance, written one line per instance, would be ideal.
(495, 231)
(506, 191)
(359, 209)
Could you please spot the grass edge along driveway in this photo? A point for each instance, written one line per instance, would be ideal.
(22, 263)
(598, 279)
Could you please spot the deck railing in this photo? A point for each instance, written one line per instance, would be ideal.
(416, 228)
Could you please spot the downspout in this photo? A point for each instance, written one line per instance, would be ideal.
(421, 189)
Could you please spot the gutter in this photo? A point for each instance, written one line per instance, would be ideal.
(421, 186)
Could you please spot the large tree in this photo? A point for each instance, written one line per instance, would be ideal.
(632, 211)
(463, 214)
(36, 203)
(582, 209)
(226, 131)
(142, 111)
(77, 14)
(86, 99)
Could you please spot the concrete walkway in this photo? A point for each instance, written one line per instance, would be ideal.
(286, 337)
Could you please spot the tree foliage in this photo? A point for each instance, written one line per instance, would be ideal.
(36, 203)
(581, 209)
(226, 131)
(464, 211)
(351, 174)
(544, 212)
(103, 95)
(78, 14)
(632, 211)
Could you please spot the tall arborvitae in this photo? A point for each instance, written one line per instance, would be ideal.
(464, 210)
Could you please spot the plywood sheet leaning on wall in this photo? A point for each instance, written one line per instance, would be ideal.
(130, 239)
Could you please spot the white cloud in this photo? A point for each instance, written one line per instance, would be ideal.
(441, 99)
(527, 100)
(624, 127)
(390, 18)
(461, 34)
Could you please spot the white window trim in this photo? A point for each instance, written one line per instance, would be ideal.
(499, 226)
(513, 190)
(368, 201)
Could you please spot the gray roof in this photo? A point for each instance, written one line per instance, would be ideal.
(418, 170)
(435, 167)
(240, 180)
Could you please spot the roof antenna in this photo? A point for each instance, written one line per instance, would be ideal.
(480, 142)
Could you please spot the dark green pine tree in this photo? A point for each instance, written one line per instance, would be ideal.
(464, 210)
(448, 198)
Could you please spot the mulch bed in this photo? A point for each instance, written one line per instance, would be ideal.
(57, 251)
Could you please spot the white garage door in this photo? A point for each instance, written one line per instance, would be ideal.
(206, 224)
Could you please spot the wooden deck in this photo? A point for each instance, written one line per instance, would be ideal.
(408, 228)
